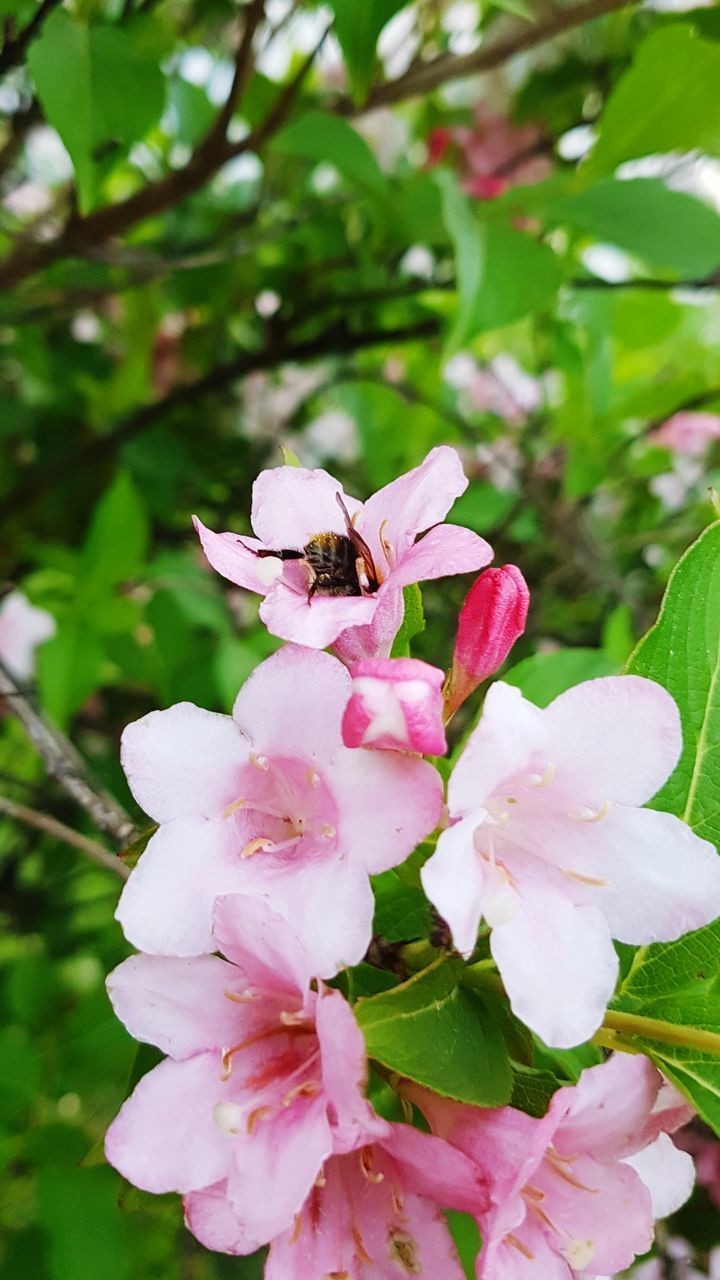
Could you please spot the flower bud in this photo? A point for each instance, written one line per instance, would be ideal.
(491, 619)
(396, 705)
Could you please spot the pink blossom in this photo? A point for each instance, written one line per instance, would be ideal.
(373, 1212)
(690, 433)
(493, 155)
(396, 704)
(264, 1077)
(492, 618)
(269, 802)
(551, 847)
(705, 1150)
(22, 628)
(292, 507)
(575, 1193)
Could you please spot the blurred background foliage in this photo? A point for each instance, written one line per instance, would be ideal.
(226, 229)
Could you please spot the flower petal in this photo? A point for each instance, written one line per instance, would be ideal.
(317, 621)
(432, 1168)
(166, 905)
(183, 761)
(667, 1172)
(375, 639)
(610, 1107)
(292, 705)
(387, 803)
(291, 505)
(602, 1212)
(209, 1215)
(344, 1069)
(446, 550)
(523, 1255)
(164, 1138)
(261, 943)
(231, 554)
(175, 1003)
(617, 738)
(510, 731)
(558, 965)
(453, 880)
(412, 503)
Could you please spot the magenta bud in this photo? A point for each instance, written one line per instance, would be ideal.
(396, 704)
(491, 619)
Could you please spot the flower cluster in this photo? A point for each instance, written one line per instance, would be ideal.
(254, 893)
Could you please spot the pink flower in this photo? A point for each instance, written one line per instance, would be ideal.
(376, 555)
(22, 629)
(492, 155)
(574, 1194)
(705, 1150)
(551, 847)
(269, 802)
(264, 1078)
(373, 1212)
(492, 618)
(690, 433)
(396, 704)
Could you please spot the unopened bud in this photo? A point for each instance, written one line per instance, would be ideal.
(491, 619)
(396, 705)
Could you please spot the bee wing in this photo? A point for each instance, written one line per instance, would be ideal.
(360, 545)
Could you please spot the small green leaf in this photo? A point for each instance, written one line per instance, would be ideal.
(440, 1035)
(320, 137)
(117, 541)
(401, 910)
(413, 622)
(358, 24)
(133, 852)
(533, 1089)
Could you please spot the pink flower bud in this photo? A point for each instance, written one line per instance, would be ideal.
(491, 619)
(396, 705)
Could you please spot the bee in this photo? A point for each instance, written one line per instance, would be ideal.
(339, 564)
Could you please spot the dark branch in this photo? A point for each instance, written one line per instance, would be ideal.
(14, 50)
(67, 835)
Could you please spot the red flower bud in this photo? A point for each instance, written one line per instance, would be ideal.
(491, 619)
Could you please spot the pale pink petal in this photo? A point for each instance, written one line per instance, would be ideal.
(175, 1003)
(22, 628)
(446, 550)
(164, 1137)
(291, 505)
(603, 1222)
(374, 640)
(328, 902)
(183, 761)
(558, 965)
(510, 733)
(344, 1071)
(432, 1168)
(261, 943)
(412, 503)
(667, 1172)
(617, 738)
(610, 1107)
(166, 905)
(209, 1215)
(317, 621)
(231, 554)
(660, 879)
(523, 1255)
(292, 705)
(387, 803)
(453, 880)
(273, 1174)
(396, 704)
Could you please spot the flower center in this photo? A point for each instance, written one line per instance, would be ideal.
(284, 809)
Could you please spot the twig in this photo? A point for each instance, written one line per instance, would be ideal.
(14, 50)
(52, 827)
(66, 764)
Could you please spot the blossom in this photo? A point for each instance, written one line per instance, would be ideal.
(493, 154)
(396, 704)
(492, 618)
(688, 433)
(293, 507)
(264, 1077)
(576, 1192)
(374, 1211)
(550, 846)
(704, 1147)
(269, 802)
(22, 628)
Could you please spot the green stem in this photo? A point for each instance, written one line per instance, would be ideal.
(632, 1024)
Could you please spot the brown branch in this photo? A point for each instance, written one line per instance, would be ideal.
(423, 79)
(65, 763)
(14, 50)
(59, 831)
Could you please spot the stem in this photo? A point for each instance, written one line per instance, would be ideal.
(632, 1024)
(52, 827)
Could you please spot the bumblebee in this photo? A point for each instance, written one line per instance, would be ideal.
(339, 564)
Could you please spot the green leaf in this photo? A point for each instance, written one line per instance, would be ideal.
(320, 137)
(654, 109)
(682, 653)
(546, 675)
(117, 540)
(357, 27)
(69, 668)
(401, 910)
(413, 622)
(96, 84)
(533, 1089)
(661, 227)
(440, 1035)
(501, 274)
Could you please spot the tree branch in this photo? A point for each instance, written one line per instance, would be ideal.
(59, 831)
(14, 50)
(65, 763)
